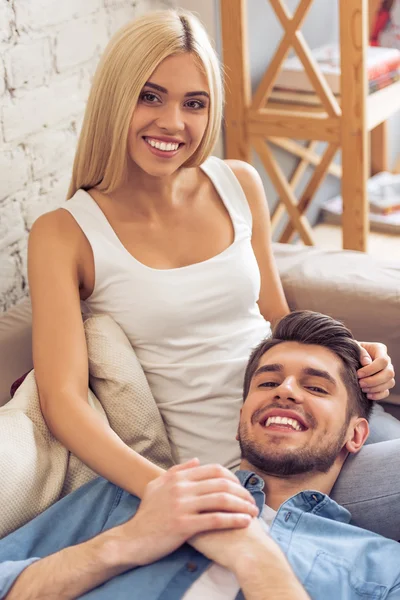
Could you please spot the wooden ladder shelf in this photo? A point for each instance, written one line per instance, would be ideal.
(253, 122)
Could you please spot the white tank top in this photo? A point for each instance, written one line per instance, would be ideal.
(192, 328)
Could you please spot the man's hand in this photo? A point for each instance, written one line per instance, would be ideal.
(231, 548)
(376, 377)
(186, 500)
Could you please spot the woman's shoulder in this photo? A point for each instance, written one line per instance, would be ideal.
(250, 181)
(241, 168)
(56, 239)
(54, 223)
(56, 229)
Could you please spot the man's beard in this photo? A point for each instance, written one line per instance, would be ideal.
(264, 458)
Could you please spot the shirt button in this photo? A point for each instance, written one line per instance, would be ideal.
(314, 497)
(253, 480)
(191, 567)
(287, 517)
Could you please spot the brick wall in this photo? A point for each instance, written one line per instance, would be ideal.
(48, 53)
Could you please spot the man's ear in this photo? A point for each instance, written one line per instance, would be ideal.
(237, 431)
(359, 431)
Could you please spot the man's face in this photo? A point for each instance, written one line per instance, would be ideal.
(295, 417)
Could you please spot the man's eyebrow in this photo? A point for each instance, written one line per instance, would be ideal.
(320, 373)
(164, 90)
(278, 368)
(273, 368)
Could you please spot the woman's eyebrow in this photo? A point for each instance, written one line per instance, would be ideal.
(164, 90)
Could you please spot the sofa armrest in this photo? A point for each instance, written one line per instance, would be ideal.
(358, 289)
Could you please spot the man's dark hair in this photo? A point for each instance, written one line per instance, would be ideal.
(307, 327)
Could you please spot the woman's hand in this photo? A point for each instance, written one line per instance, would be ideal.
(376, 377)
(185, 501)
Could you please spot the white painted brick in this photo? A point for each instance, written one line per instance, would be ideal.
(113, 4)
(42, 107)
(9, 279)
(37, 14)
(79, 40)
(142, 6)
(14, 170)
(22, 251)
(6, 20)
(13, 282)
(50, 195)
(12, 226)
(51, 152)
(121, 16)
(2, 78)
(28, 64)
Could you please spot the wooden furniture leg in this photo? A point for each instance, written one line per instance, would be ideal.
(379, 148)
(354, 42)
(237, 78)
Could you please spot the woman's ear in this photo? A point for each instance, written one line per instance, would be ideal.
(358, 435)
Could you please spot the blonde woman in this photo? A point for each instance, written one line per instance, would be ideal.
(172, 243)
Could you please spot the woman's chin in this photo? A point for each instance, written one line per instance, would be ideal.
(157, 169)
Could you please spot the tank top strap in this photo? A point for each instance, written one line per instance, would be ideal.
(229, 188)
(89, 216)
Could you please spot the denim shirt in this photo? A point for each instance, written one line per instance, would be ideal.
(333, 559)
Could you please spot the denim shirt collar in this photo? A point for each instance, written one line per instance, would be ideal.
(306, 501)
(255, 485)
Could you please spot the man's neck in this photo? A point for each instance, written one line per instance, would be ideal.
(278, 489)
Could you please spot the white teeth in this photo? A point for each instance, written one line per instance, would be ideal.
(283, 421)
(166, 147)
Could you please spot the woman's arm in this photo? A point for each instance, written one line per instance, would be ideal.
(56, 247)
(272, 301)
(193, 499)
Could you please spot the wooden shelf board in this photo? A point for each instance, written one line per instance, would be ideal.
(294, 124)
(383, 104)
(273, 105)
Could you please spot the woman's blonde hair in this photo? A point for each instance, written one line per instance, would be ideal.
(130, 58)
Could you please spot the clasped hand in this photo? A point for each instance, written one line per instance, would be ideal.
(186, 501)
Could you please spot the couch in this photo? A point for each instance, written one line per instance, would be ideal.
(356, 288)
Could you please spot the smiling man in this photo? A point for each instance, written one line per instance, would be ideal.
(304, 410)
(303, 414)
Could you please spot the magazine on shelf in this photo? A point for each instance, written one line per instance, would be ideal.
(384, 203)
(312, 99)
(380, 61)
(332, 211)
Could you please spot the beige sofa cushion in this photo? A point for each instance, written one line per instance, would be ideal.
(118, 380)
(36, 470)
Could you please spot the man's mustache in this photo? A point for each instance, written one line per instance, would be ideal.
(307, 417)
